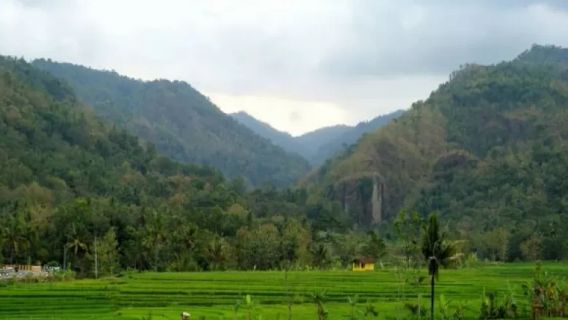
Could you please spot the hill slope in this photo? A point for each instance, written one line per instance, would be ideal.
(488, 149)
(53, 149)
(73, 187)
(321, 144)
(181, 123)
(345, 138)
(279, 138)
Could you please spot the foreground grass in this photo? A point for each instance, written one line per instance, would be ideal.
(213, 295)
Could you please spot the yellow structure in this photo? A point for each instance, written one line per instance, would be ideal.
(363, 264)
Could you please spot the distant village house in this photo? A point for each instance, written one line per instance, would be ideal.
(364, 264)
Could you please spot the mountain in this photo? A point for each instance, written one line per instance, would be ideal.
(53, 149)
(321, 144)
(75, 189)
(313, 141)
(279, 138)
(182, 124)
(488, 149)
(338, 139)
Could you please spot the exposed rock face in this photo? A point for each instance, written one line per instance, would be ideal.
(377, 202)
(362, 196)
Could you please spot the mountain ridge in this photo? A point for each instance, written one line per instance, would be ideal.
(181, 122)
(318, 145)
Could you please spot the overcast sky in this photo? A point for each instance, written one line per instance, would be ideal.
(296, 64)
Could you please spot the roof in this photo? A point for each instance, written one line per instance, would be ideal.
(364, 260)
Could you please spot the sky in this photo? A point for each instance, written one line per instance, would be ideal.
(296, 64)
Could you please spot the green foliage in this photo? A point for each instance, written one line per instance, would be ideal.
(182, 124)
(548, 295)
(488, 150)
(68, 178)
(493, 309)
(319, 298)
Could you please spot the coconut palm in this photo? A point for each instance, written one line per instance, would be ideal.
(76, 244)
(438, 252)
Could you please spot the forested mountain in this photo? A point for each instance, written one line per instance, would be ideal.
(263, 129)
(314, 140)
(343, 139)
(321, 144)
(488, 149)
(182, 124)
(70, 181)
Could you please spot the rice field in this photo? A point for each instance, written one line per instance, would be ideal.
(220, 295)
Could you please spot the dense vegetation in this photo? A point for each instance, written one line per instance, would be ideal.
(488, 150)
(181, 123)
(319, 145)
(70, 182)
(484, 292)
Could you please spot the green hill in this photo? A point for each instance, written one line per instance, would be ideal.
(52, 144)
(182, 123)
(487, 149)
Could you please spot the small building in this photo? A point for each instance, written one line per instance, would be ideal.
(364, 264)
(14, 271)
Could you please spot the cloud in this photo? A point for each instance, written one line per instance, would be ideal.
(409, 37)
(325, 61)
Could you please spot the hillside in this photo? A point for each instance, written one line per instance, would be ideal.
(282, 139)
(487, 149)
(182, 123)
(71, 184)
(319, 145)
(66, 176)
(343, 139)
(53, 145)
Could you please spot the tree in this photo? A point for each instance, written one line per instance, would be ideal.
(438, 252)
(258, 247)
(77, 246)
(375, 246)
(407, 227)
(15, 236)
(532, 248)
(108, 253)
(155, 237)
(494, 243)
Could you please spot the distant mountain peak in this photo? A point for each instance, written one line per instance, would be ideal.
(548, 54)
(320, 144)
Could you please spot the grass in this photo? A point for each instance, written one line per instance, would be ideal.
(213, 295)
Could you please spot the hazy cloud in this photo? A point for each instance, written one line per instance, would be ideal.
(322, 61)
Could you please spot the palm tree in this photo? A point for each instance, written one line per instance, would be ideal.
(15, 236)
(76, 244)
(438, 252)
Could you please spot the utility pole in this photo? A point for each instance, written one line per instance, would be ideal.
(65, 257)
(96, 260)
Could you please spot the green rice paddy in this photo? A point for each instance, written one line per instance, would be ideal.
(213, 295)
